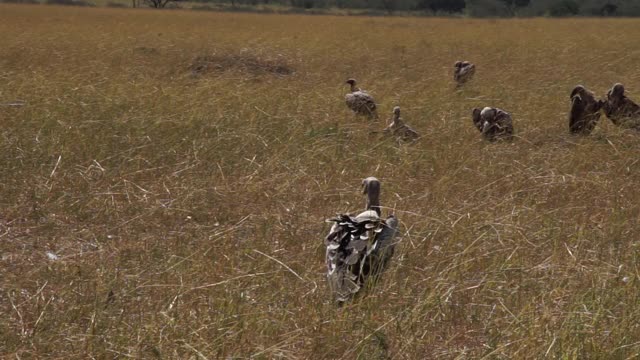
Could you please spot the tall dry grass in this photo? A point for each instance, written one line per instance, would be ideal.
(160, 201)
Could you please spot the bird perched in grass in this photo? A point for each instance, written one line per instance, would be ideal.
(585, 111)
(621, 110)
(360, 102)
(463, 71)
(493, 123)
(400, 130)
(359, 247)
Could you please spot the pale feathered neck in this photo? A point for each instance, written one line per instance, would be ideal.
(372, 190)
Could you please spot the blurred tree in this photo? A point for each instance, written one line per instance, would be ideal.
(487, 8)
(308, 4)
(608, 9)
(564, 8)
(475, 8)
(514, 5)
(158, 4)
(628, 8)
(435, 6)
(598, 8)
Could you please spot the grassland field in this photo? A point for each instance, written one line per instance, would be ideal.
(164, 186)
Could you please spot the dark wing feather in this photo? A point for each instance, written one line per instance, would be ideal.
(622, 111)
(477, 120)
(384, 245)
(500, 127)
(361, 103)
(631, 108)
(576, 115)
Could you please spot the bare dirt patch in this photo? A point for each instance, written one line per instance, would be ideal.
(245, 62)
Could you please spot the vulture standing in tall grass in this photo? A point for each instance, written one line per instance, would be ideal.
(493, 123)
(620, 109)
(360, 101)
(400, 130)
(359, 247)
(585, 111)
(463, 71)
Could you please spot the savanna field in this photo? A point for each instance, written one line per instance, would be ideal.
(165, 185)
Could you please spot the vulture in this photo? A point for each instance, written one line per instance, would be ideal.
(400, 130)
(620, 109)
(585, 111)
(359, 247)
(360, 102)
(493, 123)
(463, 72)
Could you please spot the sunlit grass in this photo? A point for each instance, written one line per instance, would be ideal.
(167, 190)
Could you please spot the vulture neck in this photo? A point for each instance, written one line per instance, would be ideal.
(354, 88)
(373, 201)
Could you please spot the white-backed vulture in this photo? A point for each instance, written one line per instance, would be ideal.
(621, 110)
(400, 130)
(359, 247)
(463, 71)
(585, 111)
(360, 102)
(493, 123)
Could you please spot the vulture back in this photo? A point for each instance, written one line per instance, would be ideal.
(358, 248)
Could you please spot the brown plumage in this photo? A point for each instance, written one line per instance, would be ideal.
(360, 102)
(400, 130)
(621, 110)
(585, 111)
(493, 123)
(359, 247)
(463, 71)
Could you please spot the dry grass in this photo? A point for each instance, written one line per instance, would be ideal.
(150, 213)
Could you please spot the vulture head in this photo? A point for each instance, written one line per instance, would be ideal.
(578, 90)
(371, 187)
(352, 83)
(396, 113)
(487, 114)
(458, 64)
(617, 91)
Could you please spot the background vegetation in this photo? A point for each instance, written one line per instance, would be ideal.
(480, 8)
(468, 8)
(165, 183)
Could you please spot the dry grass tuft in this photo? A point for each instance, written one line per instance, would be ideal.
(148, 214)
